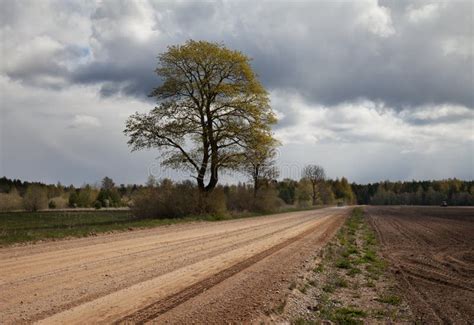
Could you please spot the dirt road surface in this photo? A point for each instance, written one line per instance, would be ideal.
(231, 271)
(432, 252)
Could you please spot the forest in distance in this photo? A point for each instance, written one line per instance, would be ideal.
(17, 195)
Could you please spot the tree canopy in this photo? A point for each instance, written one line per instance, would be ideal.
(211, 106)
(315, 174)
(259, 161)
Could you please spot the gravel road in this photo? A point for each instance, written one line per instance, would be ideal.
(207, 272)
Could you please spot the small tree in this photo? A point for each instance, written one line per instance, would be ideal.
(108, 194)
(303, 193)
(11, 201)
(315, 175)
(287, 190)
(107, 183)
(52, 204)
(35, 198)
(259, 161)
(87, 195)
(73, 198)
(326, 193)
(151, 181)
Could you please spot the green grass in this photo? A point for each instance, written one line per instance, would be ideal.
(353, 271)
(329, 287)
(390, 299)
(319, 268)
(21, 227)
(343, 263)
(33, 226)
(304, 289)
(340, 283)
(302, 321)
(348, 316)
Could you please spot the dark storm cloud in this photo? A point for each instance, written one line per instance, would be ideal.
(303, 47)
(398, 53)
(133, 80)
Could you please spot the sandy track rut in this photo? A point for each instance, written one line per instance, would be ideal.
(112, 277)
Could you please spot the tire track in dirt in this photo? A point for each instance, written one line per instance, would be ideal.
(7, 270)
(253, 293)
(155, 309)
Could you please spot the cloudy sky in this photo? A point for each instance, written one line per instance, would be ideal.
(369, 90)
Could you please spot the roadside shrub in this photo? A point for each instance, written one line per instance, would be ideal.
(167, 200)
(146, 203)
(304, 194)
(239, 197)
(87, 195)
(51, 205)
(109, 197)
(97, 205)
(60, 202)
(73, 199)
(215, 203)
(11, 201)
(267, 200)
(35, 198)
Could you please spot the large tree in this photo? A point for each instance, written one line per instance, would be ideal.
(316, 175)
(210, 106)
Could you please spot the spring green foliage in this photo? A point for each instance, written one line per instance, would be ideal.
(211, 109)
(342, 190)
(259, 162)
(35, 198)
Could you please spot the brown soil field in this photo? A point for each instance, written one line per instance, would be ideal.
(431, 252)
(202, 272)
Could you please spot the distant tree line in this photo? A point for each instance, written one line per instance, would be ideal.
(33, 196)
(165, 198)
(452, 191)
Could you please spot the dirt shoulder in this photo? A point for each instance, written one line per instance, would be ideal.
(346, 282)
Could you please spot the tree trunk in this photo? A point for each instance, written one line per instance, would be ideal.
(255, 182)
(314, 193)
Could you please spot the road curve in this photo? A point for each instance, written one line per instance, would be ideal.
(148, 275)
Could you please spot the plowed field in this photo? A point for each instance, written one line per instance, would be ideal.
(431, 251)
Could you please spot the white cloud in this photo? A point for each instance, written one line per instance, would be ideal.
(376, 19)
(84, 122)
(364, 122)
(423, 13)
